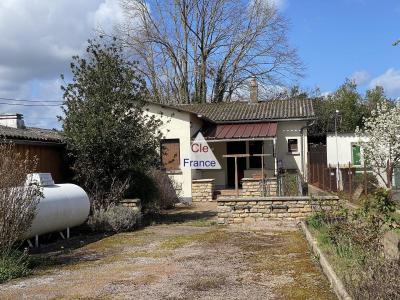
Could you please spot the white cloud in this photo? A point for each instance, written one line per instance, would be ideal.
(360, 77)
(390, 81)
(38, 39)
(280, 4)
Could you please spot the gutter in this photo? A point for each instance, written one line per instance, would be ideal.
(34, 142)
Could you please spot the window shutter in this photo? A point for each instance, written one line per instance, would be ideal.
(170, 154)
(355, 149)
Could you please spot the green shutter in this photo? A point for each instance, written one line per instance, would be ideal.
(356, 155)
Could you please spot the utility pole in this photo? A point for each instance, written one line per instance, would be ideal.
(337, 152)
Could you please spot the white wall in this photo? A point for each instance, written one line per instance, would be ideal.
(291, 130)
(344, 143)
(177, 125)
(344, 153)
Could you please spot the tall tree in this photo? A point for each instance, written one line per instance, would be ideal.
(199, 50)
(350, 104)
(105, 129)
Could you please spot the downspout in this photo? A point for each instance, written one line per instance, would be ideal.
(302, 147)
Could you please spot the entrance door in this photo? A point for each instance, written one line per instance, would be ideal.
(235, 148)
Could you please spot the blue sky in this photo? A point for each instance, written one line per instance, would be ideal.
(347, 38)
(336, 39)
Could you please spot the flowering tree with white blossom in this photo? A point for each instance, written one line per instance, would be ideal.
(381, 144)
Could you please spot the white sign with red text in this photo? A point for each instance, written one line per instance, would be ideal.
(200, 156)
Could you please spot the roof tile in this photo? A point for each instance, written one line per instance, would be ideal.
(240, 111)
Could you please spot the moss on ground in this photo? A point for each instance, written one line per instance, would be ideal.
(206, 283)
(286, 254)
(179, 241)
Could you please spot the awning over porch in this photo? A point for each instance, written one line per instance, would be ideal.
(240, 131)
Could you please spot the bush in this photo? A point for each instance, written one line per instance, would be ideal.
(13, 264)
(380, 280)
(102, 199)
(113, 219)
(155, 189)
(17, 201)
(166, 188)
(372, 181)
(355, 241)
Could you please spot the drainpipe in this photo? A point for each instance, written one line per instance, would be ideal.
(302, 147)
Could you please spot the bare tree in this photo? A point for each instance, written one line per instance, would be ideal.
(207, 50)
(17, 201)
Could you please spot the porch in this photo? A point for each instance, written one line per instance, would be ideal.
(243, 151)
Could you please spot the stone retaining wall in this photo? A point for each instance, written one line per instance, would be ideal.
(252, 187)
(132, 203)
(247, 210)
(202, 190)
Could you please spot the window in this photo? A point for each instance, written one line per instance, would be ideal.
(356, 155)
(170, 154)
(255, 147)
(293, 146)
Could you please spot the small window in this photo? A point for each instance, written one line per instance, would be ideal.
(356, 155)
(170, 154)
(255, 147)
(293, 146)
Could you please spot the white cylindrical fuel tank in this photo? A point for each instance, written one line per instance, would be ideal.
(63, 206)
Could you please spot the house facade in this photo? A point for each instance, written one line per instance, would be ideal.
(271, 137)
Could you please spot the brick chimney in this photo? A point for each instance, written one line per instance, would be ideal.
(13, 120)
(253, 90)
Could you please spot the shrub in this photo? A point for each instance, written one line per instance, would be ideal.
(372, 181)
(13, 264)
(113, 219)
(380, 280)
(316, 220)
(17, 201)
(166, 188)
(102, 199)
(155, 189)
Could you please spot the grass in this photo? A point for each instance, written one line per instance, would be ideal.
(14, 265)
(183, 240)
(206, 283)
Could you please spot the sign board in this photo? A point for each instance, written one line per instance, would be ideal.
(200, 156)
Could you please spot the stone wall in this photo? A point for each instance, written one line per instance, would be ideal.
(202, 190)
(252, 209)
(135, 204)
(252, 187)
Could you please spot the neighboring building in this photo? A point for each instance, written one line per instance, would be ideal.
(346, 150)
(276, 127)
(44, 144)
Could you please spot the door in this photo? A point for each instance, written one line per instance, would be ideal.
(235, 148)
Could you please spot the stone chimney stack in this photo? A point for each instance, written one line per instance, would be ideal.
(253, 90)
(13, 120)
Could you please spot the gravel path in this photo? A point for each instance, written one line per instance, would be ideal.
(187, 256)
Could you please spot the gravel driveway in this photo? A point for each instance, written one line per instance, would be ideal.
(185, 256)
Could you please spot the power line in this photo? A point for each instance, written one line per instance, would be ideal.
(32, 105)
(26, 100)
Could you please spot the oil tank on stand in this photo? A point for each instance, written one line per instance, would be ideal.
(63, 206)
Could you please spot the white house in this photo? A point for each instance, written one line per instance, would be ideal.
(276, 127)
(345, 150)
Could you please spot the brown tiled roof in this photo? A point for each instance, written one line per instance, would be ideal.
(239, 111)
(30, 134)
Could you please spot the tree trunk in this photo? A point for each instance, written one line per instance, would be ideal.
(389, 174)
